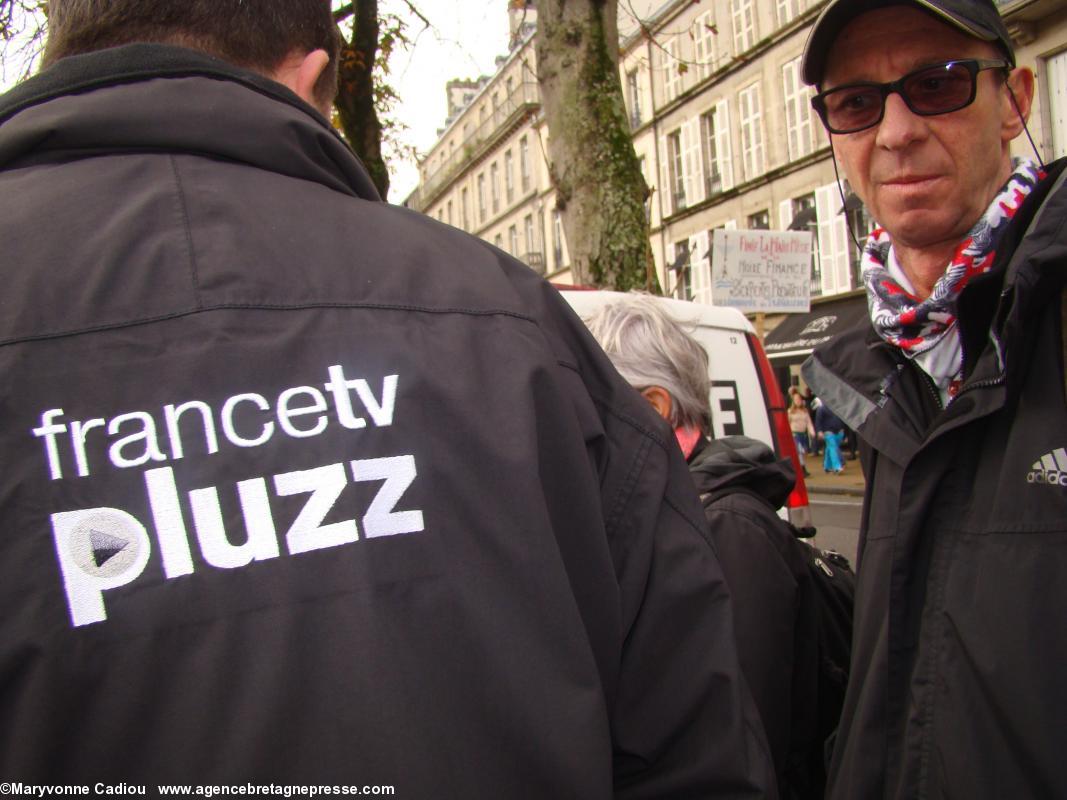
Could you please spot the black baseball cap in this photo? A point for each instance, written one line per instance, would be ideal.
(977, 18)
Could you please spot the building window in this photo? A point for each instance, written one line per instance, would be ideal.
(744, 21)
(674, 169)
(464, 209)
(760, 221)
(672, 75)
(528, 230)
(633, 94)
(494, 186)
(751, 112)
(798, 124)
(682, 288)
(509, 177)
(524, 163)
(642, 163)
(788, 10)
(448, 215)
(513, 240)
(1056, 96)
(807, 204)
(704, 44)
(859, 222)
(709, 151)
(540, 233)
(481, 197)
(557, 239)
(498, 241)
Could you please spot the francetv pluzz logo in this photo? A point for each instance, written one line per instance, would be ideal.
(106, 547)
(1050, 469)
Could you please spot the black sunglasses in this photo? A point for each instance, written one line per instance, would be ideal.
(936, 89)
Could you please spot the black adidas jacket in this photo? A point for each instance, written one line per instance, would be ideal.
(957, 685)
(301, 487)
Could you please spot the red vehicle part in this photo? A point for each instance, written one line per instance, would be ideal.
(799, 510)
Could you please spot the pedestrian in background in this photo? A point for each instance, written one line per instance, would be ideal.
(302, 488)
(742, 484)
(801, 426)
(830, 430)
(955, 388)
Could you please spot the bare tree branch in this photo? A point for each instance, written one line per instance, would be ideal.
(344, 12)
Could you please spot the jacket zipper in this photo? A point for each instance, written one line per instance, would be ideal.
(932, 387)
(966, 387)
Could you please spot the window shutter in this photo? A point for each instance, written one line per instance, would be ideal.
(722, 144)
(694, 171)
(1056, 68)
(833, 240)
(700, 266)
(792, 126)
(839, 234)
(671, 76)
(665, 189)
(785, 214)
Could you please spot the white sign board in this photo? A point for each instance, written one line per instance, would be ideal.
(757, 270)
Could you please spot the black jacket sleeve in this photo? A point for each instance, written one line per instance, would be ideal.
(684, 721)
(768, 581)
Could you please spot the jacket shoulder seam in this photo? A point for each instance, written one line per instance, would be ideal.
(183, 212)
(129, 323)
(622, 498)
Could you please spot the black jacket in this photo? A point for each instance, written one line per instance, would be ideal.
(298, 486)
(957, 683)
(742, 483)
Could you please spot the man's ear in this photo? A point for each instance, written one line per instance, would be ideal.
(1019, 98)
(660, 399)
(300, 72)
(307, 76)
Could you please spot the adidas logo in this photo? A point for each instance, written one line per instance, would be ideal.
(1050, 469)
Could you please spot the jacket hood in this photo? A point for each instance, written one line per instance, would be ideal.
(163, 98)
(738, 461)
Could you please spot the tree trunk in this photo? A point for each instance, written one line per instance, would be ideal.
(600, 191)
(355, 101)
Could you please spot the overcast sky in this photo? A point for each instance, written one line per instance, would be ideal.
(466, 38)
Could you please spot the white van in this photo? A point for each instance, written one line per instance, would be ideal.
(745, 397)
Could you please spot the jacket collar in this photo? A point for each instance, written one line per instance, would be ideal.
(152, 97)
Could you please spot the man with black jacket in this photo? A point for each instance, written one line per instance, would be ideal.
(956, 391)
(303, 488)
(742, 483)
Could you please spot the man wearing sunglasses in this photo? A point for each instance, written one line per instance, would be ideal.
(956, 389)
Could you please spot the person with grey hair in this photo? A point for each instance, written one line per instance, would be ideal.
(667, 366)
(742, 484)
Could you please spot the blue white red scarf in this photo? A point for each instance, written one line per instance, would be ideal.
(914, 325)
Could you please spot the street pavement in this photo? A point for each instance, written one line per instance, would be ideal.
(849, 482)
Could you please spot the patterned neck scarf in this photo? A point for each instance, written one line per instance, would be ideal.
(914, 325)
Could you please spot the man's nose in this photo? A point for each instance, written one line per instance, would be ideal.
(900, 126)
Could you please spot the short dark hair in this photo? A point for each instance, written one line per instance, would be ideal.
(254, 34)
